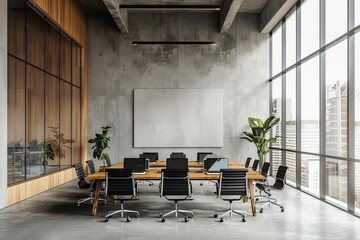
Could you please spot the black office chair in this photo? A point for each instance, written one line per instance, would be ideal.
(278, 185)
(107, 160)
(177, 155)
(155, 154)
(255, 165)
(202, 155)
(92, 170)
(177, 163)
(264, 171)
(152, 157)
(247, 163)
(120, 186)
(83, 184)
(175, 186)
(91, 166)
(233, 186)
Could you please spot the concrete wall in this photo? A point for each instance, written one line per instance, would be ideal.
(3, 103)
(239, 65)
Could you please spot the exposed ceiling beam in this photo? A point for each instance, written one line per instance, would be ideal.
(273, 12)
(228, 13)
(120, 15)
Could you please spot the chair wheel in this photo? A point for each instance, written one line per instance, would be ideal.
(128, 219)
(215, 215)
(221, 219)
(257, 199)
(163, 219)
(161, 215)
(137, 215)
(244, 219)
(282, 209)
(191, 216)
(186, 219)
(261, 211)
(78, 204)
(106, 219)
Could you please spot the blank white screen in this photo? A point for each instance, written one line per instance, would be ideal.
(178, 118)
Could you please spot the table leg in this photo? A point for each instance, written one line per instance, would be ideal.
(96, 198)
(252, 198)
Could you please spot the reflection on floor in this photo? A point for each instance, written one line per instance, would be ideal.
(55, 215)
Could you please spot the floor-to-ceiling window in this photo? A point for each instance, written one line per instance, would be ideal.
(43, 95)
(320, 98)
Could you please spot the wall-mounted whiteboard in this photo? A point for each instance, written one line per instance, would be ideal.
(178, 118)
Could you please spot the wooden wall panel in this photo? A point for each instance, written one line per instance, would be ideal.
(68, 14)
(28, 189)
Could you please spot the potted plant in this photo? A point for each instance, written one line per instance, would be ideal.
(101, 142)
(258, 135)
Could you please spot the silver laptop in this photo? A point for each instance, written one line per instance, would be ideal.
(214, 165)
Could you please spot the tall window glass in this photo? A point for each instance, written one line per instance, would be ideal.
(357, 96)
(291, 39)
(336, 19)
(310, 101)
(336, 100)
(276, 50)
(336, 182)
(276, 131)
(310, 174)
(309, 27)
(357, 13)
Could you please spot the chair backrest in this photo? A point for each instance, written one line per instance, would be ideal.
(108, 162)
(202, 155)
(137, 165)
(177, 155)
(177, 163)
(120, 182)
(255, 165)
(80, 174)
(233, 182)
(247, 163)
(155, 154)
(265, 169)
(174, 182)
(91, 166)
(150, 157)
(280, 177)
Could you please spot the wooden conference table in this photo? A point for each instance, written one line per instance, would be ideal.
(195, 174)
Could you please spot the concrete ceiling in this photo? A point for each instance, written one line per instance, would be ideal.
(247, 6)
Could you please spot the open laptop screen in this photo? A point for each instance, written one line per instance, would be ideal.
(214, 165)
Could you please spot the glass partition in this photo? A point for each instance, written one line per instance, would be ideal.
(44, 107)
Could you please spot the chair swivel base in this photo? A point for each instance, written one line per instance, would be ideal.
(187, 214)
(89, 199)
(121, 211)
(230, 211)
(269, 202)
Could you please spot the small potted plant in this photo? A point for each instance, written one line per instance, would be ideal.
(101, 142)
(258, 135)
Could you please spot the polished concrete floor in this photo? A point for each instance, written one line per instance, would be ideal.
(55, 215)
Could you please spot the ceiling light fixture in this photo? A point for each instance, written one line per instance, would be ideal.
(170, 7)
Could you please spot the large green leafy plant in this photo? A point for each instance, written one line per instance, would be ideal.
(258, 135)
(101, 142)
